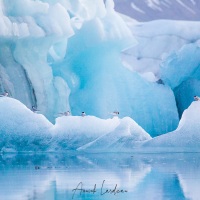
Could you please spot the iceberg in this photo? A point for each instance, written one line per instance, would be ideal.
(48, 61)
(22, 130)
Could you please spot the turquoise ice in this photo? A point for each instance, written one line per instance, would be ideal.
(65, 55)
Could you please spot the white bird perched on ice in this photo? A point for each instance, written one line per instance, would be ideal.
(196, 98)
(34, 109)
(64, 114)
(115, 113)
(67, 113)
(5, 94)
(83, 114)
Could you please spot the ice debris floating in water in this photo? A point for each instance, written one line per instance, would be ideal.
(23, 130)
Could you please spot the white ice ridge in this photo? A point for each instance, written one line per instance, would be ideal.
(23, 130)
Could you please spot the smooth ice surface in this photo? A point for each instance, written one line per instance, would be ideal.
(72, 132)
(124, 137)
(144, 176)
(21, 130)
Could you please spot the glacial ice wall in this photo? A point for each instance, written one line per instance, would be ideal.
(103, 84)
(71, 61)
(34, 37)
(169, 55)
(28, 30)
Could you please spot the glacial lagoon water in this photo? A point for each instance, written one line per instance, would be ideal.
(100, 176)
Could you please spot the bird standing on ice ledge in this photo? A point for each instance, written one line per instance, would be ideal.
(196, 98)
(5, 94)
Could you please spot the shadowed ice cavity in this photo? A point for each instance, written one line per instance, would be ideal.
(54, 176)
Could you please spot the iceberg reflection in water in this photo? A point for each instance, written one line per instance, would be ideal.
(127, 176)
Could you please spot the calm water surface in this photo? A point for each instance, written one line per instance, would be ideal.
(100, 176)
